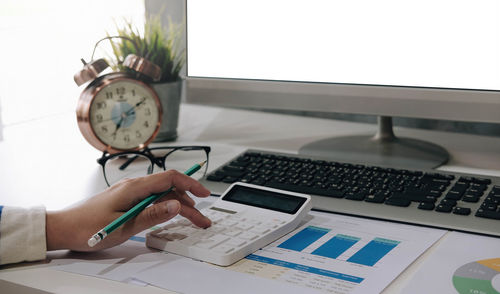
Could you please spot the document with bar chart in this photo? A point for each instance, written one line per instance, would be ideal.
(340, 254)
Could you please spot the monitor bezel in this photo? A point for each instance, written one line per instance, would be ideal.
(396, 101)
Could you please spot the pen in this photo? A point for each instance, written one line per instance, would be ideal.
(97, 237)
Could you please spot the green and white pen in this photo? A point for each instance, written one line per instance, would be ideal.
(97, 237)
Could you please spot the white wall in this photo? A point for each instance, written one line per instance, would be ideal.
(41, 46)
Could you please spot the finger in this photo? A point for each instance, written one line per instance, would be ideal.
(163, 181)
(131, 191)
(155, 214)
(195, 216)
(183, 198)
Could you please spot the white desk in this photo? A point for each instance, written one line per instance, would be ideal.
(48, 162)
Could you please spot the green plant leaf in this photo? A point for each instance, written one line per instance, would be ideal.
(158, 44)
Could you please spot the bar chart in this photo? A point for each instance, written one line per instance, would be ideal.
(304, 238)
(369, 254)
(338, 254)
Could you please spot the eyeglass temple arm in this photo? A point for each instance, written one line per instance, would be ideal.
(128, 162)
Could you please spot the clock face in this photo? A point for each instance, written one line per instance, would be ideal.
(124, 114)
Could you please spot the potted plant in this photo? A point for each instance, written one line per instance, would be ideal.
(162, 47)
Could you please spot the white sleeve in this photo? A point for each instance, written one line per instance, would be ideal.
(22, 234)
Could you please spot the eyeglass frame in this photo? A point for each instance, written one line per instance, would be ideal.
(147, 152)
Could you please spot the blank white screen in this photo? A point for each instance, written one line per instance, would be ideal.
(421, 43)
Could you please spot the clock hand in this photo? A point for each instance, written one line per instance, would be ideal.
(139, 103)
(123, 116)
(135, 106)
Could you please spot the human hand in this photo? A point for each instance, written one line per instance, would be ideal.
(71, 228)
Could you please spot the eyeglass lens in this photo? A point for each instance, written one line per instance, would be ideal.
(136, 165)
(183, 159)
(127, 166)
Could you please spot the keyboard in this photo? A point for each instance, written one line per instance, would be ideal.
(454, 201)
(246, 218)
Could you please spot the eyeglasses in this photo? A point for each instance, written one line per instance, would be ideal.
(133, 164)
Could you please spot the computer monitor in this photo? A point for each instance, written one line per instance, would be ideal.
(436, 59)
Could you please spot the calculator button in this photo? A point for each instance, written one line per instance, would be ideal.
(223, 248)
(236, 242)
(203, 234)
(229, 223)
(244, 226)
(238, 218)
(216, 219)
(254, 222)
(232, 232)
(212, 241)
(248, 236)
(216, 228)
(172, 236)
(271, 225)
(187, 230)
(189, 241)
(260, 230)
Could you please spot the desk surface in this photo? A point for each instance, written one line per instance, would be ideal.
(48, 162)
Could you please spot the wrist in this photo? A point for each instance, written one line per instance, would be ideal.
(55, 223)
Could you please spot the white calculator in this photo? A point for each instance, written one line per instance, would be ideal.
(244, 219)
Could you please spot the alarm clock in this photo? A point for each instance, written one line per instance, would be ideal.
(118, 111)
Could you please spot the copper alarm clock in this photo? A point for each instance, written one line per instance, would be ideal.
(117, 111)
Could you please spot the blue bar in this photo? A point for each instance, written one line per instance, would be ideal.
(138, 239)
(337, 245)
(305, 268)
(304, 238)
(373, 251)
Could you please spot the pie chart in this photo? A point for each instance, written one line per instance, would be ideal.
(481, 277)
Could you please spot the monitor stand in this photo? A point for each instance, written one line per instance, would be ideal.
(383, 149)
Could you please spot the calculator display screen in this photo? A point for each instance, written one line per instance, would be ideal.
(265, 199)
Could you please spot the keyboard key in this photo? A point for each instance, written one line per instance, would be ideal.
(359, 196)
(488, 214)
(448, 202)
(307, 190)
(375, 198)
(488, 206)
(461, 210)
(460, 186)
(481, 181)
(416, 197)
(229, 179)
(426, 206)
(474, 192)
(454, 195)
(470, 198)
(444, 208)
(215, 177)
(492, 200)
(402, 202)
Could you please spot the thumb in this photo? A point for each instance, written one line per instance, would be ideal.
(156, 214)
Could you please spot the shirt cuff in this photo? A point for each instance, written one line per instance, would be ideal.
(22, 234)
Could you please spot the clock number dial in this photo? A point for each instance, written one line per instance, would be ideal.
(124, 115)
